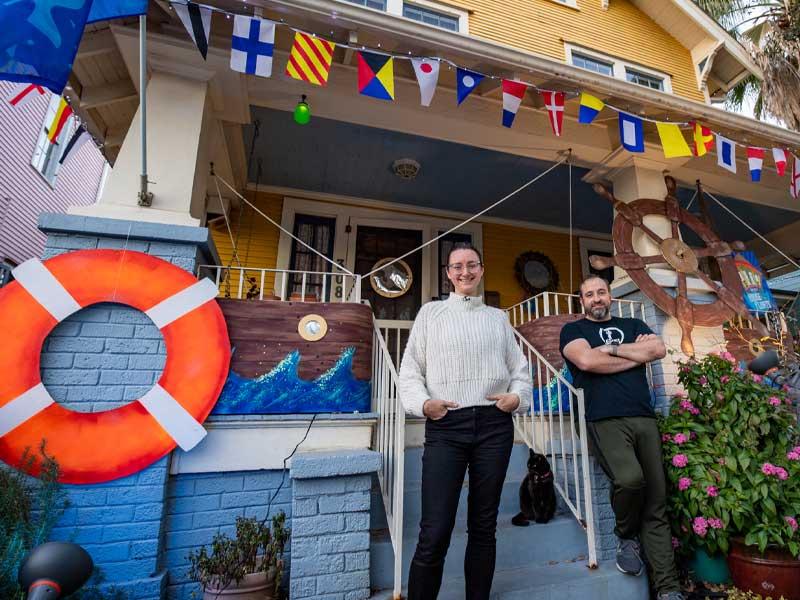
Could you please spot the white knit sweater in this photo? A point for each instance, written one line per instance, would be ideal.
(462, 350)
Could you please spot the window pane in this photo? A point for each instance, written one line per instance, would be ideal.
(376, 4)
(431, 17)
(592, 64)
(656, 83)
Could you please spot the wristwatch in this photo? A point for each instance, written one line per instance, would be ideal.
(614, 349)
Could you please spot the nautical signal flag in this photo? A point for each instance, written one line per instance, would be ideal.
(376, 75)
(310, 59)
(513, 93)
(794, 184)
(252, 46)
(726, 153)
(780, 157)
(427, 71)
(672, 140)
(590, 107)
(466, 81)
(702, 139)
(554, 103)
(78, 139)
(63, 114)
(23, 93)
(631, 132)
(755, 160)
(197, 20)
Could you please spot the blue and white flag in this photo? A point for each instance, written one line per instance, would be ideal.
(39, 40)
(726, 153)
(102, 10)
(466, 81)
(252, 46)
(631, 132)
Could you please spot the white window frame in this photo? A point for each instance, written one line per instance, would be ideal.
(395, 7)
(48, 169)
(619, 66)
(568, 3)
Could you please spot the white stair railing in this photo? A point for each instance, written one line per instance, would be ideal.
(549, 429)
(391, 443)
(548, 304)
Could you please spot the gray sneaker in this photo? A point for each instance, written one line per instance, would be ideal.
(629, 558)
(671, 596)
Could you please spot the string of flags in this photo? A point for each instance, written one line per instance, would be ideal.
(311, 57)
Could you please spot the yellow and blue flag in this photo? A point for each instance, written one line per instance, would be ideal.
(39, 40)
(590, 108)
(376, 75)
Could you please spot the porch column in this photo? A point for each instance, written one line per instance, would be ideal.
(178, 124)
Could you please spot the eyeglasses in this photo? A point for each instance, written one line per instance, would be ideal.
(459, 268)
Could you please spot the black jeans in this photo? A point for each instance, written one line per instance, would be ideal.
(479, 439)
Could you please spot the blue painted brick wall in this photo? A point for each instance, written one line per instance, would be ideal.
(202, 505)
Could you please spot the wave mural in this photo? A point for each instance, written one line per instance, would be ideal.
(549, 393)
(282, 391)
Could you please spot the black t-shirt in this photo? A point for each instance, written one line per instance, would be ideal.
(624, 394)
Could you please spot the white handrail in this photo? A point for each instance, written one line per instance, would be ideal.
(282, 284)
(549, 304)
(546, 431)
(391, 443)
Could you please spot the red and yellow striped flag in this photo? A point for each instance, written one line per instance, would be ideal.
(63, 114)
(702, 138)
(310, 59)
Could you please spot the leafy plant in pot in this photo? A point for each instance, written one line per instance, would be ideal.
(249, 566)
(732, 454)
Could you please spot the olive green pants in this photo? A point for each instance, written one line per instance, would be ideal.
(629, 451)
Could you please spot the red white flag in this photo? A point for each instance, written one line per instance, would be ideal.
(794, 185)
(24, 93)
(554, 103)
(779, 154)
(427, 71)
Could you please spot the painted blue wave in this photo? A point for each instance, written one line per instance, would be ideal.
(282, 391)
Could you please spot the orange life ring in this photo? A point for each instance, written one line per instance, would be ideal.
(97, 447)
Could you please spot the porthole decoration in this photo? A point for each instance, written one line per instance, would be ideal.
(312, 328)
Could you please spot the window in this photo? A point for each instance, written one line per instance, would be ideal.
(46, 155)
(5, 273)
(431, 17)
(376, 4)
(317, 232)
(656, 83)
(445, 245)
(592, 64)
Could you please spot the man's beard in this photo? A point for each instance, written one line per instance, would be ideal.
(600, 312)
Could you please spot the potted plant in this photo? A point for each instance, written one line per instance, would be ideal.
(732, 455)
(249, 566)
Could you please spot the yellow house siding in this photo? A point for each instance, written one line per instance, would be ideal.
(621, 31)
(257, 240)
(502, 244)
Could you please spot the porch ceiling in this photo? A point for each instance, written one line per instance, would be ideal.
(352, 160)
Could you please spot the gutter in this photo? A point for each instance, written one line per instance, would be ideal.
(520, 61)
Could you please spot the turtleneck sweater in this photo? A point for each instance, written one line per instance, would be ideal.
(461, 350)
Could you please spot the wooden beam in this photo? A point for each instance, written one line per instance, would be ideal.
(115, 136)
(93, 97)
(97, 42)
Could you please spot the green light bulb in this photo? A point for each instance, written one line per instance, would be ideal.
(302, 112)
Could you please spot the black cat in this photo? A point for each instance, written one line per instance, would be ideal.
(537, 496)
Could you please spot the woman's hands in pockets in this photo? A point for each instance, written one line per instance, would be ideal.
(506, 402)
(436, 409)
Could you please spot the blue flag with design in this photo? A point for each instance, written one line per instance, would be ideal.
(102, 10)
(39, 40)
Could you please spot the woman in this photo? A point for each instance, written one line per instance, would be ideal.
(463, 370)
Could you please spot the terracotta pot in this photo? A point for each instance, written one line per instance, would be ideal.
(254, 586)
(774, 574)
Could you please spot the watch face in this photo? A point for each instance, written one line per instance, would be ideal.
(536, 274)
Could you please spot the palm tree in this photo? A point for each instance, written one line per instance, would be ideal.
(770, 31)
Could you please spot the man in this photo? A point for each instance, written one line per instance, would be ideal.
(607, 356)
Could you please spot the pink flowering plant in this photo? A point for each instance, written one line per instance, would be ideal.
(732, 456)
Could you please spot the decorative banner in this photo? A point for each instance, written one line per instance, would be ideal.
(726, 153)
(590, 108)
(376, 75)
(513, 93)
(554, 103)
(37, 48)
(310, 59)
(24, 93)
(252, 46)
(197, 20)
(466, 81)
(757, 295)
(702, 138)
(755, 160)
(672, 140)
(427, 72)
(59, 120)
(631, 132)
(78, 139)
(779, 155)
(102, 10)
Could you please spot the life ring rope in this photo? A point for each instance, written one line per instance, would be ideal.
(49, 292)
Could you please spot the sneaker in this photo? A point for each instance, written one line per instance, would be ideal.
(671, 596)
(629, 558)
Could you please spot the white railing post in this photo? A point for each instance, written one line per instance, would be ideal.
(587, 482)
